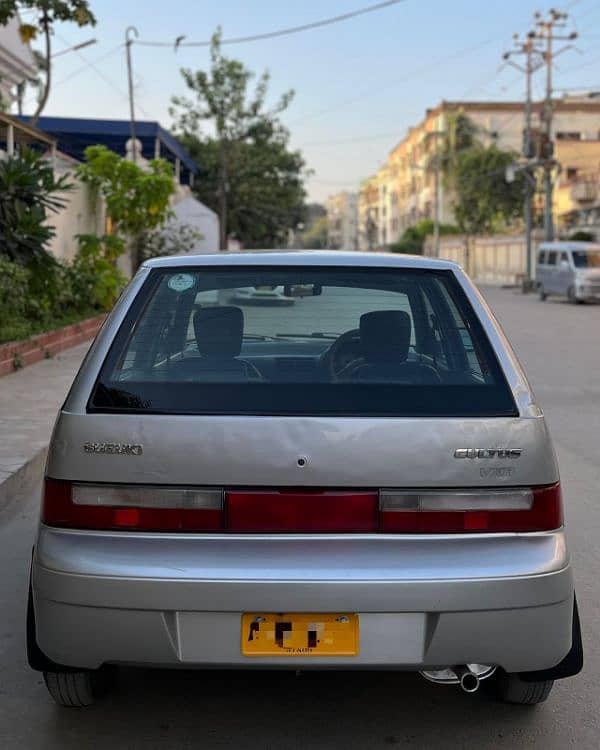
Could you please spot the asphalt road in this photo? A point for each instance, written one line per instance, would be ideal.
(559, 346)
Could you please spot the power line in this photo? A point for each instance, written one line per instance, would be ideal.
(82, 69)
(280, 32)
(88, 64)
(434, 66)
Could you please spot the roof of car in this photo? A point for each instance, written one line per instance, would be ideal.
(302, 258)
(569, 245)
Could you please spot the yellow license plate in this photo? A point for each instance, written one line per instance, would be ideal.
(299, 635)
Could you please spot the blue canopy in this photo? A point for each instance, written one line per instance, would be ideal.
(75, 135)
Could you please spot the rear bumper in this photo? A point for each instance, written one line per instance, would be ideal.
(423, 601)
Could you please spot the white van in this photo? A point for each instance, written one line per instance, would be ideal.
(570, 269)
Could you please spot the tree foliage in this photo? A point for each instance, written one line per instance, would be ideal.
(484, 201)
(475, 174)
(175, 238)
(315, 237)
(29, 192)
(248, 173)
(48, 13)
(137, 200)
(413, 240)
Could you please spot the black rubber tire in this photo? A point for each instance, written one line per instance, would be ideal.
(70, 689)
(79, 689)
(572, 299)
(510, 688)
(542, 293)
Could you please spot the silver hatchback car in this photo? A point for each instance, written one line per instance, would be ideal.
(360, 479)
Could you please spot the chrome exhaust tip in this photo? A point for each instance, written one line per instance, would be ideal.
(468, 680)
(468, 676)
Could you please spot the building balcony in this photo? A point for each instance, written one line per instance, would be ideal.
(584, 191)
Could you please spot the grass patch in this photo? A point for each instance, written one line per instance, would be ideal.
(23, 329)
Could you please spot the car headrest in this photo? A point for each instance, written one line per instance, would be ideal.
(385, 335)
(219, 331)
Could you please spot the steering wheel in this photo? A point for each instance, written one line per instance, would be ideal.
(333, 354)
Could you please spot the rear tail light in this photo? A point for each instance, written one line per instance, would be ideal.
(456, 512)
(131, 507)
(146, 508)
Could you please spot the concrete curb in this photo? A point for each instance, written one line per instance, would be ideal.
(23, 478)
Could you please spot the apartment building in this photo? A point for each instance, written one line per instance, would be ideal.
(17, 63)
(342, 221)
(406, 183)
(577, 186)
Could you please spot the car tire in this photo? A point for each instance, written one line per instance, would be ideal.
(571, 296)
(542, 293)
(78, 689)
(510, 688)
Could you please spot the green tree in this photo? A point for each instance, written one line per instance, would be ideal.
(483, 200)
(315, 237)
(248, 173)
(137, 200)
(461, 134)
(413, 240)
(48, 12)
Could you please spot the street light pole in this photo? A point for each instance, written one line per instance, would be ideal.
(75, 48)
(533, 62)
(529, 183)
(129, 39)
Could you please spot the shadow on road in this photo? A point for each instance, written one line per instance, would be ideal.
(175, 709)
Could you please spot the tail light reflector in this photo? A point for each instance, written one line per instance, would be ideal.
(302, 511)
(457, 512)
(133, 507)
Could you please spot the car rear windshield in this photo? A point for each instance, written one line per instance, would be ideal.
(302, 341)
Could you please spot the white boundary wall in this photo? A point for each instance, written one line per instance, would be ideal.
(489, 260)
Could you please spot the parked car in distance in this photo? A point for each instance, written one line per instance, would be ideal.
(261, 295)
(569, 269)
(363, 480)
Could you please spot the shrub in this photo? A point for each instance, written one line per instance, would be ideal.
(28, 192)
(582, 236)
(173, 239)
(14, 280)
(95, 280)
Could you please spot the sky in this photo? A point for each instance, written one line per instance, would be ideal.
(358, 84)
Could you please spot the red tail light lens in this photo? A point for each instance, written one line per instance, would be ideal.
(456, 512)
(145, 508)
(133, 508)
(317, 511)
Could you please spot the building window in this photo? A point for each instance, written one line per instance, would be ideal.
(571, 173)
(568, 136)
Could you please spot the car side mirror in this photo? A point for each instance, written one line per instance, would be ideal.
(564, 264)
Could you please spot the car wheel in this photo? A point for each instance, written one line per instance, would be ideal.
(510, 688)
(78, 689)
(571, 296)
(542, 292)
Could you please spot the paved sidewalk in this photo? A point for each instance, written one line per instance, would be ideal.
(29, 402)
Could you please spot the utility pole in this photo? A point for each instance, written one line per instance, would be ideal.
(533, 61)
(129, 39)
(546, 33)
